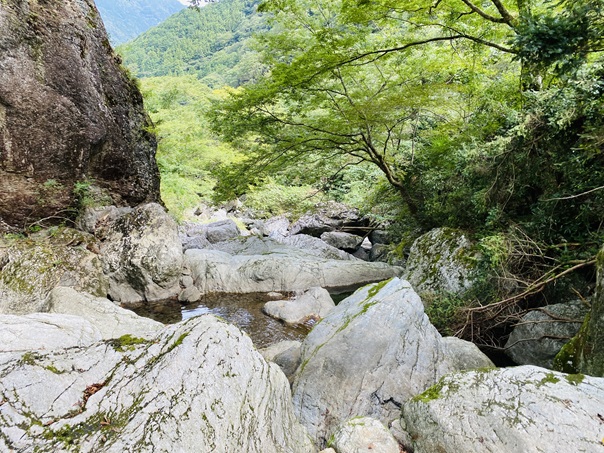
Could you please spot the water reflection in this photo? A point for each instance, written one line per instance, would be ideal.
(243, 310)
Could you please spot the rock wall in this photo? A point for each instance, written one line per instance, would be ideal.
(70, 116)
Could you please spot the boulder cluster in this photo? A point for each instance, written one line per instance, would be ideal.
(79, 372)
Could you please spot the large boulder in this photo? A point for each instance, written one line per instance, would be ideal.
(142, 256)
(222, 231)
(522, 409)
(442, 261)
(343, 241)
(374, 351)
(315, 304)
(71, 118)
(281, 269)
(540, 334)
(330, 216)
(30, 268)
(111, 320)
(44, 331)
(198, 386)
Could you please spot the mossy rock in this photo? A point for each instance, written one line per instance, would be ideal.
(33, 266)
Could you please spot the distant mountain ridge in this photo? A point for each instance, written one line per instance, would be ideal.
(126, 19)
(211, 43)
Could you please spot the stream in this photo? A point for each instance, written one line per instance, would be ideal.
(243, 310)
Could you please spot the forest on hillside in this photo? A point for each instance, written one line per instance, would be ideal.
(486, 117)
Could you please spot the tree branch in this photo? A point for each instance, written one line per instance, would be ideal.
(481, 13)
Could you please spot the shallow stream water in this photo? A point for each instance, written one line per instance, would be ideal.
(243, 310)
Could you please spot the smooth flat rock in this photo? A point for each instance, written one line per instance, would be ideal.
(314, 304)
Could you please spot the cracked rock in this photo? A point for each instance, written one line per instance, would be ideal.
(198, 386)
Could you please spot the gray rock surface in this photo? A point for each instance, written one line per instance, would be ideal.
(222, 230)
(44, 331)
(540, 334)
(286, 354)
(30, 268)
(441, 261)
(315, 303)
(374, 351)
(142, 256)
(278, 269)
(363, 435)
(70, 117)
(275, 226)
(521, 409)
(465, 355)
(111, 320)
(343, 241)
(315, 247)
(189, 295)
(198, 386)
(329, 216)
(92, 219)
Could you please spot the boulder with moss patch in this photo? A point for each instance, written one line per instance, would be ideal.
(32, 267)
(507, 410)
(542, 333)
(69, 115)
(197, 386)
(370, 354)
(442, 261)
(585, 352)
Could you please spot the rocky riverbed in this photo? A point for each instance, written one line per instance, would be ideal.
(81, 372)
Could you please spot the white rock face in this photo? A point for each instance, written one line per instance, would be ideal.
(43, 331)
(199, 386)
(142, 255)
(315, 304)
(264, 266)
(442, 260)
(112, 321)
(374, 351)
(364, 435)
(521, 409)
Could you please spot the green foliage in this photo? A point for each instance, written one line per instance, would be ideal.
(445, 313)
(210, 42)
(272, 198)
(188, 152)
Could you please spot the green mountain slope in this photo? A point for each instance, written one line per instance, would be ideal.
(210, 42)
(126, 19)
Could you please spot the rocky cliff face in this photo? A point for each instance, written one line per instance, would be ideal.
(70, 117)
